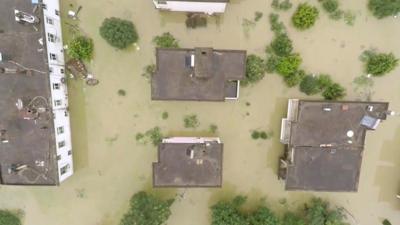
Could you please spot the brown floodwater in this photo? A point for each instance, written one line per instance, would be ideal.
(111, 166)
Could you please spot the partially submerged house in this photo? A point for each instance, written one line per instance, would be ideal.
(35, 137)
(195, 6)
(200, 74)
(324, 143)
(188, 162)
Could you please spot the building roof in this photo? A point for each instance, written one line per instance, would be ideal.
(198, 0)
(208, 78)
(188, 162)
(31, 145)
(326, 143)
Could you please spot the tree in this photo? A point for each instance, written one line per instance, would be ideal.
(318, 212)
(310, 85)
(379, 64)
(146, 209)
(9, 218)
(289, 64)
(263, 216)
(228, 212)
(384, 8)
(166, 40)
(255, 70)
(305, 16)
(282, 45)
(334, 92)
(294, 78)
(81, 48)
(118, 33)
(330, 5)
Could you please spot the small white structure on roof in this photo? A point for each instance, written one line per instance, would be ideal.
(199, 6)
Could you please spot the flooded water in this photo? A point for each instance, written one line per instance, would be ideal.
(111, 166)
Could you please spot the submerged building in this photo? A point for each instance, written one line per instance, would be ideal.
(189, 162)
(200, 74)
(195, 6)
(324, 143)
(35, 146)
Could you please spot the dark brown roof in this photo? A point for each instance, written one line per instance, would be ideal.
(176, 79)
(188, 165)
(325, 158)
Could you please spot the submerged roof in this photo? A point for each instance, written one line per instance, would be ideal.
(200, 74)
(189, 162)
(31, 145)
(198, 0)
(326, 143)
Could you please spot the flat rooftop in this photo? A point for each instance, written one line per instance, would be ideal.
(327, 141)
(200, 74)
(197, 0)
(30, 142)
(188, 162)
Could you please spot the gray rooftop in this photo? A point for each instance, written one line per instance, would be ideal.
(176, 167)
(30, 144)
(210, 78)
(325, 156)
(198, 0)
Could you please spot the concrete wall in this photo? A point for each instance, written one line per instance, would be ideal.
(59, 92)
(180, 6)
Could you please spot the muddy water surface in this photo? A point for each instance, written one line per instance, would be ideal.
(111, 166)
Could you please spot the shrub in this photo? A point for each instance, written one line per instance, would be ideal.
(164, 115)
(276, 26)
(379, 64)
(386, 222)
(166, 40)
(228, 213)
(271, 63)
(255, 70)
(81, 48)
(305, 16)
(255, 135)
(334, 92)
(257, 16)
(289, 64)
(191, 121)
(118, 33)
(383, 8)
(9, 218)
(284, 5)
(310, 85)
(324, 81)
(295, 78)
(349, 17)
(213, 128)
(318, 212)
(330, 5)
(337, 15)
(146, 209)
(290, 218)
(121, 92)
(282, 45)
(154, 135)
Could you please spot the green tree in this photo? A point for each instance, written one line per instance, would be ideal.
(290, 218)
(294, 78)
(146, 209)
(255, 70)
(263, 216)
(81, 48)
(289, 64)
(282, 45)
(310, 85)
(318, 212)
(228, 212)
(9, 218)
(334, 92)
(384, 8)
(305, 16)
(166, 40)
(324, 81)
(379, 64)
(118, 33)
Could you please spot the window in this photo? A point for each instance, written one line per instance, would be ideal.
(58, 157)
(57, 102)
(44, 6)
(70, 152)
(60, 130)
(57, 12)
(62, 71)
(61, 144)
(50, 69)
(49, 21)
(56, 86)
(51, 37)
(53, 56)
(64, 169)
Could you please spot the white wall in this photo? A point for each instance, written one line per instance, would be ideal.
(203, 7)
(59, 92)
